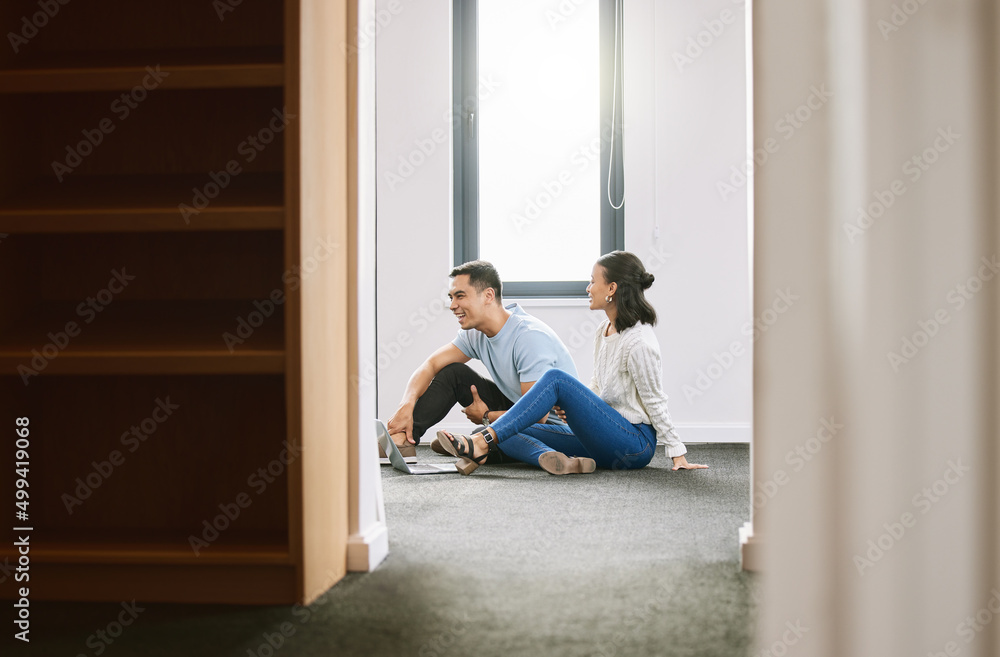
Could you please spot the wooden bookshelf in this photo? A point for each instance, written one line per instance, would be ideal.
(150, 203)
(241, 408)
(149, 337)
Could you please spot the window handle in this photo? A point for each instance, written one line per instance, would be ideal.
(472, 124)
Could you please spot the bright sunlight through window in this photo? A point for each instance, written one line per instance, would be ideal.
(539, 143)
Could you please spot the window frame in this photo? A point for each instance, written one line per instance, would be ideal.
(466, 149)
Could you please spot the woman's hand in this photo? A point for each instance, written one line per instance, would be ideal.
(681, 463)
(560, 412)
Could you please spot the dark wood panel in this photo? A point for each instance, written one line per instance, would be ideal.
(145, 337)
(111, 546)
(197, 131)
(163, 266)
(249, 201)
(220, 584)
(128, 25)
(151, 455)
(113, 70)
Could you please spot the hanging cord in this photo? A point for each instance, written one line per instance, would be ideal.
(614, 98)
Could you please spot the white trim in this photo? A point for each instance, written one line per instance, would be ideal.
(714, 432)
(750, 557)
(690, 432)
(365, 551)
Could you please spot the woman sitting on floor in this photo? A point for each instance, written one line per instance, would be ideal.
(612, 424)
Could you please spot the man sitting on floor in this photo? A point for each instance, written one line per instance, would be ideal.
(515, 348)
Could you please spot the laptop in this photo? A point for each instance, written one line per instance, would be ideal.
(398, 462)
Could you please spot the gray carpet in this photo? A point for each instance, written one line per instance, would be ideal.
(509, 561)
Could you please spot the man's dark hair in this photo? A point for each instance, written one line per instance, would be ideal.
(481, 275)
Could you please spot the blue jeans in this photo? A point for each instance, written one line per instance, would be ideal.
(595, 429)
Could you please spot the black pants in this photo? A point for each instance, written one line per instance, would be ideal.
(451, 386)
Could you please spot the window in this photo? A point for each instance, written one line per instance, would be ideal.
(536, 137)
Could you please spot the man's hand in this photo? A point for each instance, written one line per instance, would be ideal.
(402, 422)
(476, 409)
(681, 463)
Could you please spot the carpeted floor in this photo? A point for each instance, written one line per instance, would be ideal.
(510, 561)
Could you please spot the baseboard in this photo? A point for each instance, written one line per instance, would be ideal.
(365, 551)
(714, 432)
(694, 432)
(750, 558)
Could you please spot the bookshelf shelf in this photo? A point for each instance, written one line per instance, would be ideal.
(126, 203)
(124, 70)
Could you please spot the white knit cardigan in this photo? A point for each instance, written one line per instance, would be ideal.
(628, 376)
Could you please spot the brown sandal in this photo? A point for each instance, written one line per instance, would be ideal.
(463, 447)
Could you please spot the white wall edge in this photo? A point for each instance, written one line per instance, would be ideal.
(365, 551)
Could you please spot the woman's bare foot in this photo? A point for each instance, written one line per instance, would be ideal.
(479, 444)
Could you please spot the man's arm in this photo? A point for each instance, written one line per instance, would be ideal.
(402, 419)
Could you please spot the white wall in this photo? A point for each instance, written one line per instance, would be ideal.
(685, 127)
(368, 543)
